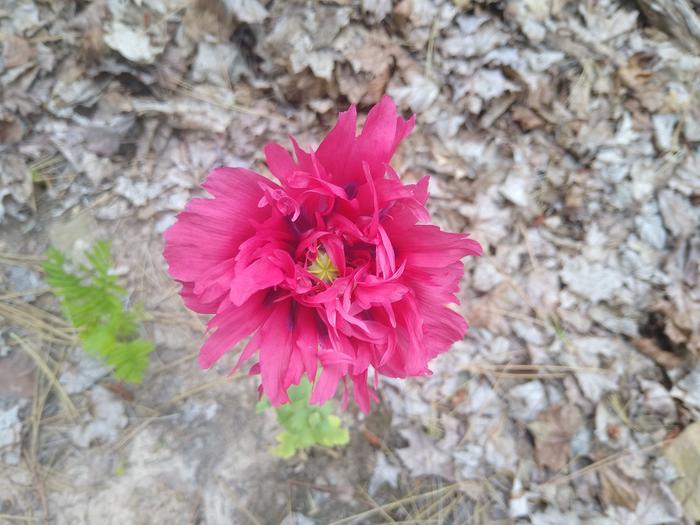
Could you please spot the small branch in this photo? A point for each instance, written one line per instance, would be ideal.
(41, 364)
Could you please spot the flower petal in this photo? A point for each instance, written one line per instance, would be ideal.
(334, 150)
(232, 324)
(210, 231)
(259, 275)
(275, 351)
(279, 161)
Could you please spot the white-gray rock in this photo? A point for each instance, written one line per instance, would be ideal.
(594, 281)
(486, 276)
(679, 217)
(384, 472)
(530, 399)
(650, 227)
(105, 422)
(664, 125)
(10, 434)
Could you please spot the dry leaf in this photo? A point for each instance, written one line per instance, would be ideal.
(616, 489)
(526, 118)
(16, 376)
(11, 128)
(684, 454)
(650, 349)
(132, 43)
(553, 431)
(17, 51)
(422, 457)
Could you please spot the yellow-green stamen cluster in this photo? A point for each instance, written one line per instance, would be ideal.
(323, 268)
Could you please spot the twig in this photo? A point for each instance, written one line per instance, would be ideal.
(193, 391)
(41, 364)
(175, 363)
(376, 505)
(49, 328)
(40, 488)
(613, 458)
(244, 510)
(394, 504)
(431, 48)
(18, 258)
(12, 517)
(437, 504)
(529, 371)
(187, 89)
(130, 433)
(24, 293)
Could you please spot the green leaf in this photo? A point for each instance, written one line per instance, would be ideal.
(287, 446)
(305, 425)
(93, 301)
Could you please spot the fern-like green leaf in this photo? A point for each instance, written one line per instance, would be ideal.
(93, 301)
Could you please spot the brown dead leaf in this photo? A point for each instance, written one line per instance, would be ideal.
(372, 438)
(552, 432)
(120, 389)
(17, 51)
(497, 108)
(206, 17)
(682, 318)
(92, 45)
(650, 349)
(16, 375)
(637, 75)
(616, 489)
(526, 118)
(11, 129)
(403, 9)
(372, 60)
(684, 454)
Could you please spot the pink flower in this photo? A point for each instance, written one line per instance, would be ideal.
(336, 268)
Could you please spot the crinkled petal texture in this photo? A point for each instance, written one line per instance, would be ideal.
(250, 256)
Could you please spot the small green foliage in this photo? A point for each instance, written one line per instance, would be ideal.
(306, 425)
(120, 468)
(93, 302)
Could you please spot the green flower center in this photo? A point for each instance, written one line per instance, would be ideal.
(323, 268)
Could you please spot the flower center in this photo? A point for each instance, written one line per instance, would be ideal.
(323, 267)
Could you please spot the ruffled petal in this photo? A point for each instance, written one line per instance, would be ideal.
(275, 352)
(233, 324)
(381, 134)
(259, 275)
(210, 231)
(306, 340)
(427, 245)
(245, 254)
(334, 150)
(279, 161)
(360, 390)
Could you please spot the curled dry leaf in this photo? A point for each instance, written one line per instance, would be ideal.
(553, 431)
(526, 118)
(650, 349)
